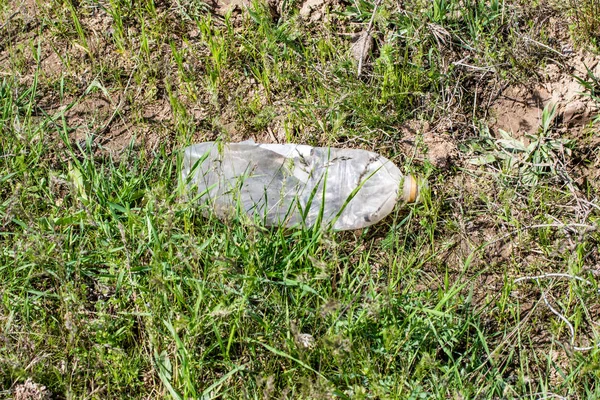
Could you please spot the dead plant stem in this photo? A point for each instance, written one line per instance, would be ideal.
(366, 38)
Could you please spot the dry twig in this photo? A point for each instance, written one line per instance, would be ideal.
(588, 228)
(555, 311)
(11, 16)
(366, 39)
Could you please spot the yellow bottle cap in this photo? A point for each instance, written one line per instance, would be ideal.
(410, 191)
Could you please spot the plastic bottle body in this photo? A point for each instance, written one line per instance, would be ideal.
(294, 185)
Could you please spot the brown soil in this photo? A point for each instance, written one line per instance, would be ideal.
(421, 141)
(518, 109)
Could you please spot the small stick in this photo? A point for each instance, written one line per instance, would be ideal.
(486, 69)
(364, 43)
(8, 19)
(118, 108)
(566, 321)
(543, 45)
(555, 311)
(552, 275)
(557, 225)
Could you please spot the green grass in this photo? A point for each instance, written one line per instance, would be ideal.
(114, 285)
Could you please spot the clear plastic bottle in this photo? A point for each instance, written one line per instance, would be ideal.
(295, 185)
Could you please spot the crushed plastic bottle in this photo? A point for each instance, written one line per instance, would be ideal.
(297, 185)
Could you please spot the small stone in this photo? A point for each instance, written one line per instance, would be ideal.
(574, 111)
(311, 10)
(305, 340)
(363, 39)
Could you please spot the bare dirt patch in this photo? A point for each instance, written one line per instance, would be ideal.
(421, 141)
(313, 9)
(518, 109)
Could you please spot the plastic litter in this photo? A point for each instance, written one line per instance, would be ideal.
(297, 185)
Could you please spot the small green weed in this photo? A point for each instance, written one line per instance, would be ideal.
(532, 157)
(591, 87)
(585, 15)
